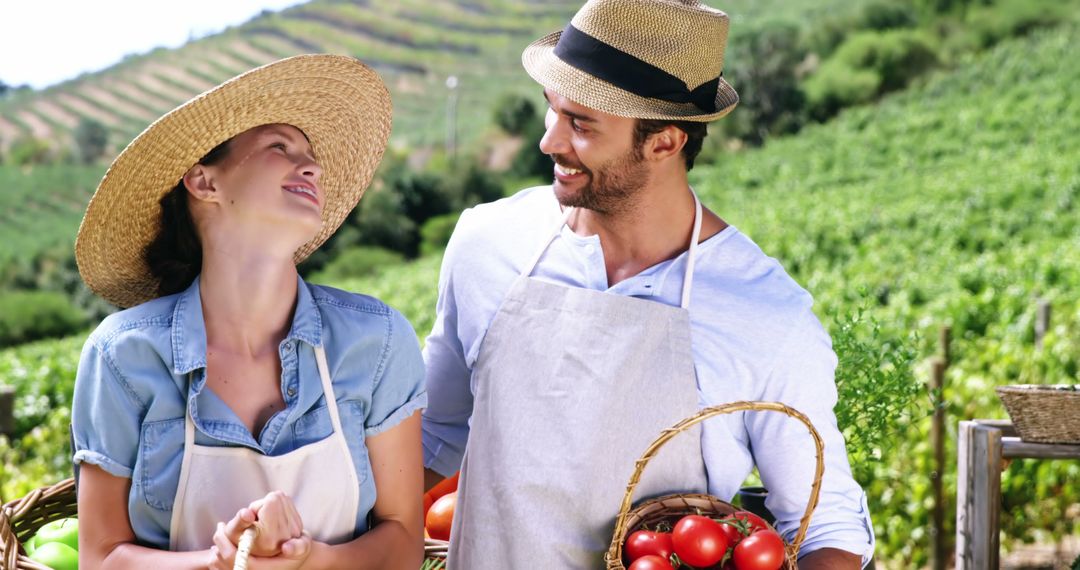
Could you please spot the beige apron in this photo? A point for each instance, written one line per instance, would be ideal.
(570, 387)
(215, 482)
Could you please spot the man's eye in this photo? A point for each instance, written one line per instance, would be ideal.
(576, 125)
(279, 145)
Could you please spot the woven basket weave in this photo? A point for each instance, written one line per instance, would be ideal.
(20, 519)
(1044, 414)
(673, 507)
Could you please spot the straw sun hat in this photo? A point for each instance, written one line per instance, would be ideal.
(339, 103)
(645, 59)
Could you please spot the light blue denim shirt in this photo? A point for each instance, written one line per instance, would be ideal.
(141, 365)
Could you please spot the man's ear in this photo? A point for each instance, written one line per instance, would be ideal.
(200, 184)
(664, 144)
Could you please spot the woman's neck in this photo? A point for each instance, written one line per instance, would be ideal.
(248, 301)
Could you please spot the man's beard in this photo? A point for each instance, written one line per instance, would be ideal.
(612, 187)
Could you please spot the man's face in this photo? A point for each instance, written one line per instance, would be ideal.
(597, 166)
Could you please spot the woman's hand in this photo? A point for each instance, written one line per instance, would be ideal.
(293, 555)
(277, 521)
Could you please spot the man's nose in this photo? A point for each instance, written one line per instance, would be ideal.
(554, 140)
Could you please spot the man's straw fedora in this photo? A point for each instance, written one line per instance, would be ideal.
(645, 59)
(339, 103)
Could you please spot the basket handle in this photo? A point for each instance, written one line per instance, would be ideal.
(243, 550)
(706, 413)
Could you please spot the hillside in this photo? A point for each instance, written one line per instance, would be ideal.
(414, 44)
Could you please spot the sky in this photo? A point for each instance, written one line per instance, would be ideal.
(43, 42)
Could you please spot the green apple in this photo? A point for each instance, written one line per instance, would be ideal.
(56, 555)
(64, 531)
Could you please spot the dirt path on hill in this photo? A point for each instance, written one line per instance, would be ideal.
(87, 109)
(55, 112)
(109, 101)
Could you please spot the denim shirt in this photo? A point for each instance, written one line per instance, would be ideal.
(144, 366)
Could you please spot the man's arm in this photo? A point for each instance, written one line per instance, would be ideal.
(803, 377)
(830, 559)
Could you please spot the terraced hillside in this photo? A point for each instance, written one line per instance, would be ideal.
(414, 44)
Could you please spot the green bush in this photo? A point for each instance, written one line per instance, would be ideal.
(514, 113)
(33, 315)
(435, 233)
(90, 140)
(357, 261)
(27, 150)
(1007, 18)
(867, 65)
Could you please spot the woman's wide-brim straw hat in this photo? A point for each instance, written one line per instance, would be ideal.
(340, 104)
(645, 59)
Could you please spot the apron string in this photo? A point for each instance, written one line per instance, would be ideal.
(695, 235)
(688, 278)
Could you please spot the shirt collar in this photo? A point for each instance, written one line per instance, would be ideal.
(189, 327)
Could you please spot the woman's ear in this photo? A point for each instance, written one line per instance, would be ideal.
(200, 184)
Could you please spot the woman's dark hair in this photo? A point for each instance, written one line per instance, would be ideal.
(695, 135)
(174, 256)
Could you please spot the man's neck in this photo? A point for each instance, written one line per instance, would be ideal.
(656, 227)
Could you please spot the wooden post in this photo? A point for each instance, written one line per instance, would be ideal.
(1042, 322)
(7, 410)
(937, 440)
(978, 496)
(943, 342)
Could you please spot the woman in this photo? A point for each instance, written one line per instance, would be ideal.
(232, 393)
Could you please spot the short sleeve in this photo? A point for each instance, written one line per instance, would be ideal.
(399, 390)
(106, 414)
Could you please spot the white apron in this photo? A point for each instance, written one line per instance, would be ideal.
(215, 482)
(570, 387)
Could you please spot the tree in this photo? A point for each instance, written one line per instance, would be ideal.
(4, 88)
(90, 140)
(514, 114)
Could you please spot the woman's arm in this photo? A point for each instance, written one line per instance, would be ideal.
(105, 536)
(397, 539)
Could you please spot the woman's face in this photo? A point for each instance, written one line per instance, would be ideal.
(267, 184)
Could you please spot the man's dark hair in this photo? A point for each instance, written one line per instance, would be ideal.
(175, 254)
(695, 135)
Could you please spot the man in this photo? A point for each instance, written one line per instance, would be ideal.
(575, 322)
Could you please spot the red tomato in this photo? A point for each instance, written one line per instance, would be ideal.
(699, 541)
(757, 523)
(440, 516)
(733, 533)
(646, 542)
(651, 562)
(763, 550)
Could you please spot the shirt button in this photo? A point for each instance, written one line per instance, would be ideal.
(292, 392)
(590, 249)
(288, 347)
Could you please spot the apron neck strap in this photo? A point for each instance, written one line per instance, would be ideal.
(695, 235)
(688, 278)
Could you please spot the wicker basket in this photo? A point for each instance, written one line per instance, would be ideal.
(435, 551)
(20, 519)
(673, 507)
(1044, 413)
